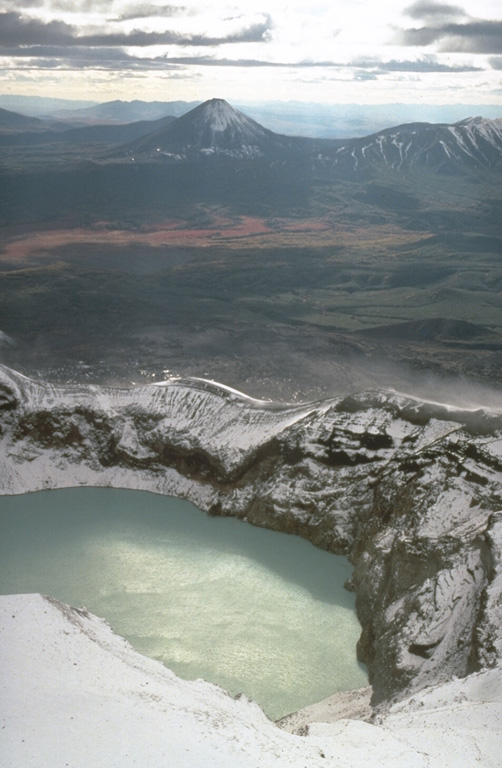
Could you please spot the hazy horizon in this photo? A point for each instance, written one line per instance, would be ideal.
(317, 120)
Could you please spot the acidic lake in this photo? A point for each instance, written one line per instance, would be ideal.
(255, 611)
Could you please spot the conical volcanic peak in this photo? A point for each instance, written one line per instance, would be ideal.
(215, 124)
(212, 127)
(218, 115)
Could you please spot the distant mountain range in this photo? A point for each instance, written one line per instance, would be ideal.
(125, 111)
(216, 129)
(215, 153)
(311, 119)
(13, 123)
(17, 130)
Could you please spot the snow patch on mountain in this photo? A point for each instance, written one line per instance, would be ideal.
(211, 130)
(216, 130)
(471, 143)
(220, 116)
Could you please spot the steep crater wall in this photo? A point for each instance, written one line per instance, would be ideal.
(409, 490)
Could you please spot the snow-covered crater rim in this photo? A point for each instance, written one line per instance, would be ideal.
(400, 403)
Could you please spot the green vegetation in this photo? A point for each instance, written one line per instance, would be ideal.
(288, 286)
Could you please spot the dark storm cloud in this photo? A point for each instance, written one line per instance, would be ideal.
(209, 61)
(18, 30)
(425, 10)
(451, 29)
(419, 66)
(9, 5)
(140, 39)
(146, 11)
(90, 54)
(58, 52)
(365, 76)
(372, 66)
(82, 6)
(475, 36)
(87, 59)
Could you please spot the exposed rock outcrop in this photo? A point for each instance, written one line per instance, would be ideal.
(409, 489)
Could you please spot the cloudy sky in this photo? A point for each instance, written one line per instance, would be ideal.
(333, 51)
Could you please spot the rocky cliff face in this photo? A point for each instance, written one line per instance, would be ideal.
(410, 490)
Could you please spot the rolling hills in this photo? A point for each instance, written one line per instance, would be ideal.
(190, 243)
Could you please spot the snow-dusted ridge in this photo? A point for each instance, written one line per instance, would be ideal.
(409, 489)
(217, 386)
(215, 131)
(470, 143)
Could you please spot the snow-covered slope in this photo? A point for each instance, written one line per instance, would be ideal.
(72, 693)
(213, 127)
(471, 143)
(409, 489)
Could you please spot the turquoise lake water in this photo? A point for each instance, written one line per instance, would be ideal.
(253, 610)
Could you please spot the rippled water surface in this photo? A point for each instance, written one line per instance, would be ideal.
(253, 610)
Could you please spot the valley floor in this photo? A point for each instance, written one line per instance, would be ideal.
(284, 308)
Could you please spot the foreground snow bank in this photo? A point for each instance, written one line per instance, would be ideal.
(73, 693)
